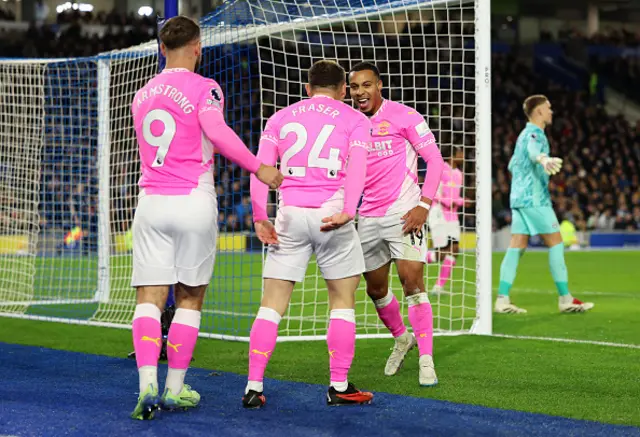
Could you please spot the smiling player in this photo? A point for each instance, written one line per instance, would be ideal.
(393, 214)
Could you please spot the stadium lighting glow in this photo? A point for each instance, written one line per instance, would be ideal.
(82, 7)
(145, 11)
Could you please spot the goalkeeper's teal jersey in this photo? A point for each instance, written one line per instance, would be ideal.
(529, 182)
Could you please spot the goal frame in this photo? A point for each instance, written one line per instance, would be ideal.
(482, 324)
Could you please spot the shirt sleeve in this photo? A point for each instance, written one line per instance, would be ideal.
(211, 98)
(268, 154)
(359, 144)
(223, 138)
(417, 132)
(534, 147)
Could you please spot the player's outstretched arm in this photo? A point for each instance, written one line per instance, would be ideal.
(356, 173)
(550, 165)
(424, 143)
(267, 153)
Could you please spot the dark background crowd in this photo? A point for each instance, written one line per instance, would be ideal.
(598, 188)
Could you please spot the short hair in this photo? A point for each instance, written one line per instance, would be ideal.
(179, 31)
(365, 66)
(532, 102)
(326, 74)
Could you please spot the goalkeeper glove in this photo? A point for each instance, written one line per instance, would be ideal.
(550, 165)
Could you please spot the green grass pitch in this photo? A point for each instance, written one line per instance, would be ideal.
(578, 380)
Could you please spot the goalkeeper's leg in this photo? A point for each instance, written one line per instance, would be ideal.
(263, 337)
(388, 309)
(411, 275)
(147, 341)
(508, 270)
(566, 302)
(181, 342)
(341, 342)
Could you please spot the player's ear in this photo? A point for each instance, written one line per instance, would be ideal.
(343, 91)
(307, 87)
(163, 49)
(380, 84)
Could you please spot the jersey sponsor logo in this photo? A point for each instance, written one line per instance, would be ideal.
(383, 128)
(382, 148)
(422, 129)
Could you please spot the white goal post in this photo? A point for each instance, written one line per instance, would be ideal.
(69, 141)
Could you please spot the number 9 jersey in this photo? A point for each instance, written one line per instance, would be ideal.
(175, 222)
(175, 156)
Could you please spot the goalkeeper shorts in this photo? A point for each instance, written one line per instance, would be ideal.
(534, 221)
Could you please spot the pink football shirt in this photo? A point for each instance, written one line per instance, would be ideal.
(399, 135)
(449, 193)
(175, 155)
(313, 139)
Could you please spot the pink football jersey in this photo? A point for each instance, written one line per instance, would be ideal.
(449, 191)
(175, 155)
(313, 139)
(399, 134)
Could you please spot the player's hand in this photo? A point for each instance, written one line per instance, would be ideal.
(550, 165)
(266, 232)
(335, 221)
(269, 175)
(415, 219)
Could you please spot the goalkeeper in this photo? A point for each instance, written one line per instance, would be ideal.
(532, 213)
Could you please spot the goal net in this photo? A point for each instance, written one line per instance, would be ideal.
(65, 241)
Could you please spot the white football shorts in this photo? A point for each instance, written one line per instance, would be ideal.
(174, 239)
(338, 253)
(383, 240)
(442, 231)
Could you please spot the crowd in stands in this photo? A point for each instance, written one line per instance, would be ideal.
(73, 35)
(597, 189)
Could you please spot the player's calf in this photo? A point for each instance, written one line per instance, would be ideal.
(262, 342)
(421, 319)
(147, 340)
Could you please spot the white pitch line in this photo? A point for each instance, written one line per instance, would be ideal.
(46, 302)
(633, 295)
(296, 318)
(569, 340)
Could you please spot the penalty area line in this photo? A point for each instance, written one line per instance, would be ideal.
(569, 340)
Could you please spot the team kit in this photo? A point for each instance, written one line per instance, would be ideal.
(330, 162)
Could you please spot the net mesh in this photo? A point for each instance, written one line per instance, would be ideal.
(83, 172)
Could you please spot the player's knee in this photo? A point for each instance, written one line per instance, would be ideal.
(377, 290)
(412, 284)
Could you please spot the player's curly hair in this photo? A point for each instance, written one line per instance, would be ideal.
(179, 31)
(326, 74)
(532, 102)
